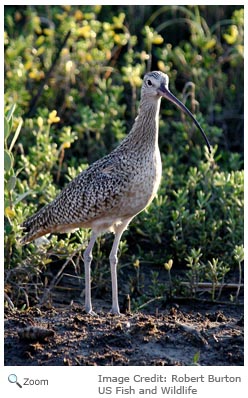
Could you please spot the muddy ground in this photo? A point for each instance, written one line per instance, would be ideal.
(173, 331)
(176, 334)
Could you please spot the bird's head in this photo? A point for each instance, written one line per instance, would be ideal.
(156, 85)
(153, 82)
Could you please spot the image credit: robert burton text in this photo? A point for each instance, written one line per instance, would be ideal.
(159, 384)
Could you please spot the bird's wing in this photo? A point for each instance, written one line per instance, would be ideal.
(95, 191)
(91, 195)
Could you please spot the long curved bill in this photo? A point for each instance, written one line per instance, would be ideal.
(164, 92)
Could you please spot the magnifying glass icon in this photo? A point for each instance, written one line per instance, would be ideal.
(13, 379)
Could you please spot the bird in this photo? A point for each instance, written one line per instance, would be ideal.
(114, 189)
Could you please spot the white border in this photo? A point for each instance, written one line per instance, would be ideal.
(64, 381)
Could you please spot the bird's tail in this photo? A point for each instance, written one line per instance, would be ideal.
(36, 226)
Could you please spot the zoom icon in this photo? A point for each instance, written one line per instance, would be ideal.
(13, 379)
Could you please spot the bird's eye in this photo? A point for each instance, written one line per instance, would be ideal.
(149, 83)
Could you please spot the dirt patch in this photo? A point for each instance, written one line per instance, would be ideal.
(177, 335)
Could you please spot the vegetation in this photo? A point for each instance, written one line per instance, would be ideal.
(72, 81)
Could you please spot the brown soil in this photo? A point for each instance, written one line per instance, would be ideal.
(178, 334)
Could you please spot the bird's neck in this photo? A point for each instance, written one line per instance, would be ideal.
(144, 132)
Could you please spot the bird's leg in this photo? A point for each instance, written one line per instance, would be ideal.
(87, 262)
(113, 259)
(113, 266)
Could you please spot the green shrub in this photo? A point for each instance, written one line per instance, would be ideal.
(87, 104)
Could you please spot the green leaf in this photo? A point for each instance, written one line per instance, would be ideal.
(8, 161)
(11, 112)
(6, 128)
(196, 357)
(11, 183)
(22, 196)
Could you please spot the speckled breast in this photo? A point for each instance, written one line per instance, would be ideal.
(145, 183)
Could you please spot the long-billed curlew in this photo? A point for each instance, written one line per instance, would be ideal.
(114, 189)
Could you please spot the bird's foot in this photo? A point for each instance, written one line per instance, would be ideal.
(115, 311)
(90, 312)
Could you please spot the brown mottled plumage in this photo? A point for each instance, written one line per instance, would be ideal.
(114, 189)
